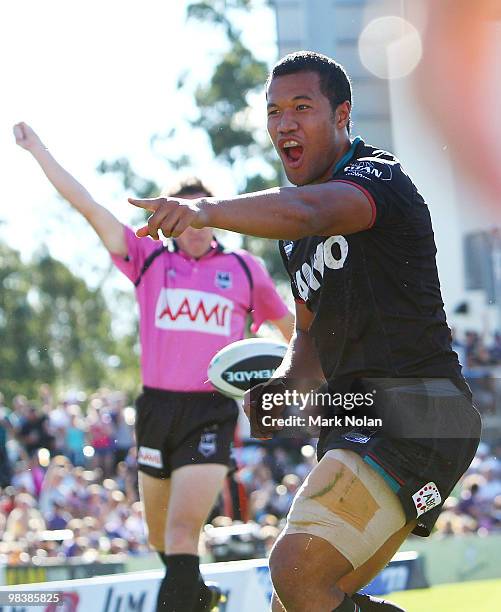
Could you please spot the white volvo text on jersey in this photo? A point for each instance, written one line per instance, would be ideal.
(324, 256)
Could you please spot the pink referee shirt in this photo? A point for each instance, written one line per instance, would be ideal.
(189, 309)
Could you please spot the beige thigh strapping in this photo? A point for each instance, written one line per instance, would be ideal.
(347, 503)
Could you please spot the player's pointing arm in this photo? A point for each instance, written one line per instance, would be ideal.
(107, 227)
(282, 213)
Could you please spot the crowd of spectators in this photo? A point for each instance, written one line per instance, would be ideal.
(476, 352)
(481, 354)
(475, 506)
(481, 361)
(68, 483)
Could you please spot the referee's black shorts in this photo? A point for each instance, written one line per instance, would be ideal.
(174, 429)
(429, 437)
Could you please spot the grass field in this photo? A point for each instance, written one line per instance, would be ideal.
(479, 596)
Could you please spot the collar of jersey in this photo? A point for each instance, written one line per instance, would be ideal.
(348, 156)
(215, 248)
(345, 160)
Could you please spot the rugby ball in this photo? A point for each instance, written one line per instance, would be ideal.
(243, 364)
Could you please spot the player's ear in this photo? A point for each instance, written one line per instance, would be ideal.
(342, 117)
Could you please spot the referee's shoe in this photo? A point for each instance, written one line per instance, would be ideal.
(217, 597)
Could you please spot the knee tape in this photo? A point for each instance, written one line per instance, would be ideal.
(345, 502)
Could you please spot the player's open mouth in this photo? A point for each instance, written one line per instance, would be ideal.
(293, 152)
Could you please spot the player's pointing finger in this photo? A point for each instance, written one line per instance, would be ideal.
(151, 204)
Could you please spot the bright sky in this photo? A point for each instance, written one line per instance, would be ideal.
(96, 80)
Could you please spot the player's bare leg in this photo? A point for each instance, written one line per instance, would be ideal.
(305, 570)
(276, 604)
(155, 493)
(357, 579)
(343, 506)
(193, 491)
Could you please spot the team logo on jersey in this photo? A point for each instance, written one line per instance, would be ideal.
(426, 498)
(223, 280)
(331, 253)
(368, 167)
(190, 310)
(208, 443)
(355, 436)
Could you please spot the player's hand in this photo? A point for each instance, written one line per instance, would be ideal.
(252, 405)
(247, 401)
(171, 215)
(26, 137)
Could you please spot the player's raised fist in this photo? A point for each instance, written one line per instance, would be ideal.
(26, 137)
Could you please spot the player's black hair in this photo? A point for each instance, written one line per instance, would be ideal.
(334, 82)
(187, 187)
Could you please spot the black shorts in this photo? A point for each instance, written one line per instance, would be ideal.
(175, 429)
(428, 439)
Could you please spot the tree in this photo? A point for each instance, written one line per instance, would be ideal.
(223, 104)
(131, 181)
(16, 339)
(54, 329)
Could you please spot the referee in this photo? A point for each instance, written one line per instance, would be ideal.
(194, 298)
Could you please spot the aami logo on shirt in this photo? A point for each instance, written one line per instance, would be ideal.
(331, 253)
(190, 310)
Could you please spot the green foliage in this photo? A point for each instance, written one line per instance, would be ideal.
(17, 342)
(217, 12)
(142, 187)
(258, 182)
(223, 104)
(54, 329)
(223, 101)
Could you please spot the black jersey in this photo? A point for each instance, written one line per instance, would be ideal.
(375, 294)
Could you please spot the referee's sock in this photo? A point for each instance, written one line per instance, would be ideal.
(204, 598)
(205, 594)
(365, 603)
(179, 590)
